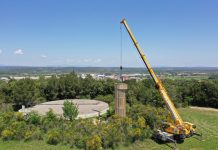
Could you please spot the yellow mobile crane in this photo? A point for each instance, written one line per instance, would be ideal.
(177, 129)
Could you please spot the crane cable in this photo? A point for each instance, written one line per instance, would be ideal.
(121, 53)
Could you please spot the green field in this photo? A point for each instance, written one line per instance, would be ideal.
(33, 145)
(187, 77)
(206, 121)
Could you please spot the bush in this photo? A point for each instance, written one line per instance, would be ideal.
(80, 143)
(110, 112)
(152, 115)
(140, 122)
(33, 118)
(19, 129)
(94, 143)
(28, 135)
(50, 115)
(33, 134)
(49, 121)
(4, 107)
(115, 131)
(107, 98)
(81, 133)
(19, 116)
(7, 117)
(53, 137)
(7, 134)
(135, 134)
(70, 110)
(69, 137)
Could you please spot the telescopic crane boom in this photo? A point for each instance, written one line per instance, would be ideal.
(178, 129)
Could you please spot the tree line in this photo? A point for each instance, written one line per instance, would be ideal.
(203, 93)
(69, 86)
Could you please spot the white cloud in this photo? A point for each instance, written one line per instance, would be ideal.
(70, 60)
(43, 56)
(87, 60)
(0, 51)
(18, 52)
(97, 60)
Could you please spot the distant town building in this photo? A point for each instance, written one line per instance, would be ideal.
(6, 79)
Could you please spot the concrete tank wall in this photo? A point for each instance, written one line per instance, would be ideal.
(120, 99)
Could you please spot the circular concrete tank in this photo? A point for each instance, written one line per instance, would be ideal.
(87, 108)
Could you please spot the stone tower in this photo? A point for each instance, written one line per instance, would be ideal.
(120, 99)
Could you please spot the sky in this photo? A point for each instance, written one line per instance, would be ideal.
(172, 33)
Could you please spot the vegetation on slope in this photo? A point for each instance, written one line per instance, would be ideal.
(82, 133)
(145, 110)
(206, 122)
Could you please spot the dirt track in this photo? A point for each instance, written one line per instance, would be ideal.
(204, 108)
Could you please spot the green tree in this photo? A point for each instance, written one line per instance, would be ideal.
(70, 110)
(24, 92)
(107, 98)
(69, 86)
(51, 89)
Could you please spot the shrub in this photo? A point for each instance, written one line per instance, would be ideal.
(34, 118)
(19, 129)
(50, 115)
(5, 107)
(33, 134)
(110, 112)
(49, 121)
(28, 135)
(19, 116)
(94, 143)
(80, 143)
(135, 134)
(37, 134)
(106, 98)
(7, 117)
(70, 111)
(53, 137)
(111, 135)
(140, 122)
(68, 137)
(7, 134)
(152, 115)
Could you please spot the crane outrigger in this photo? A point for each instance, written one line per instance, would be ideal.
(177, 129)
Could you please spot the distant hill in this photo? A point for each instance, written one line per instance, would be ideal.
(106, 70)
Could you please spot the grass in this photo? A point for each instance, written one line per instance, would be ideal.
(187, 77)
(33, 145)
(206, 121)
(207, 124)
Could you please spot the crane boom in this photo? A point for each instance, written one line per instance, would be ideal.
(175, 115)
